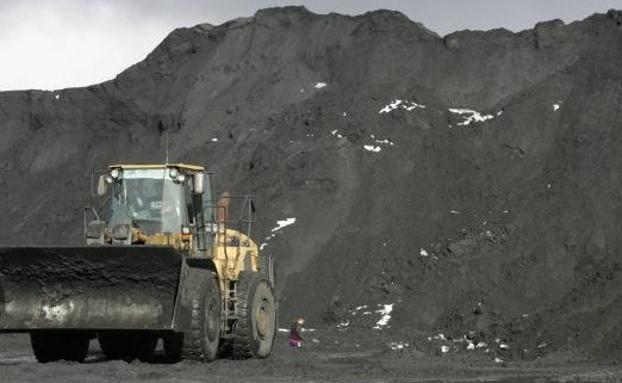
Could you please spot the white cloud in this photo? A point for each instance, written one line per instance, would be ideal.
(54, 45)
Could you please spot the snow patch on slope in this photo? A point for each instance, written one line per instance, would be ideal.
(386, 316)
(283, 224)
(557, 106)
(372, 148)
(469, 116)
(403, 104)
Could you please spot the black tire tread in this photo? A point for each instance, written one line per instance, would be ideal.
(127, 346)
(53, 346)
(193, 347)
(241, 346)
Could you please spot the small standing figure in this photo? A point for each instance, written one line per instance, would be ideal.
(295, 337)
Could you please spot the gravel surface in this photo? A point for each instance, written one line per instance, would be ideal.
(313, 363)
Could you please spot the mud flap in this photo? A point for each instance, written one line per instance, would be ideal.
(90, 287)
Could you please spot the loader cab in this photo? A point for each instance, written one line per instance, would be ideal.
(151, 200)
(149, 204)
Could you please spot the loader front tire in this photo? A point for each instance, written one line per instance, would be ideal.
(128, 345)
(53, 346)
(173, 347)
(144, 346)
(255, 329)
(202, 340)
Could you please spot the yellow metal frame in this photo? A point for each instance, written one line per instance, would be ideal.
(233, 251)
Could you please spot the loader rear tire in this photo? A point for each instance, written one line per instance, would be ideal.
(53, 346)
(255, 329)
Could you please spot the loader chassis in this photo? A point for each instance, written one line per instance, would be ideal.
(160, 265)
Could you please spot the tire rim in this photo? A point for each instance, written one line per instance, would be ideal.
(212, 330)
(263, 318)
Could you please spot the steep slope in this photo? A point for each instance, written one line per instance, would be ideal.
(471, 180)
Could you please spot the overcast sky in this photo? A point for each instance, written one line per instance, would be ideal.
(53, 44)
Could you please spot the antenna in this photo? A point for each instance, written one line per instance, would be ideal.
(167, 146)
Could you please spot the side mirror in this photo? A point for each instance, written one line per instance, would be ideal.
(101, 186)
(198, 183)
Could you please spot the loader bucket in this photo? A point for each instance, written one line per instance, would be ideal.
(89, 287)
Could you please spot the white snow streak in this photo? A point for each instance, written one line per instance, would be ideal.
(404, 104)
(343, 324)
(320, 85)
(280, 225)
(385, 141)
(470, 116)
(283, 224)
(334, 133)
(440, 336)
(372, 148)
(398, 346)
(386, 316)
(377, 148)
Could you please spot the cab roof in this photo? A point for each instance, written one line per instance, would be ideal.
(187, 167)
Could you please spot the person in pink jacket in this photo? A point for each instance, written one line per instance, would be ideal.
(295, 333)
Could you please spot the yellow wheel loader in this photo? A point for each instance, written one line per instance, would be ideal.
(162, 265)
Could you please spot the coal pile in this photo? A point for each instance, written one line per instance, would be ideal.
(465, 185)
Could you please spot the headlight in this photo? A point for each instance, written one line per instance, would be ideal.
(114, 173)
(180, 178)
(121, 231)
(173, 172)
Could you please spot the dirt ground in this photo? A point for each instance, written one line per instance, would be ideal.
(336, 358)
